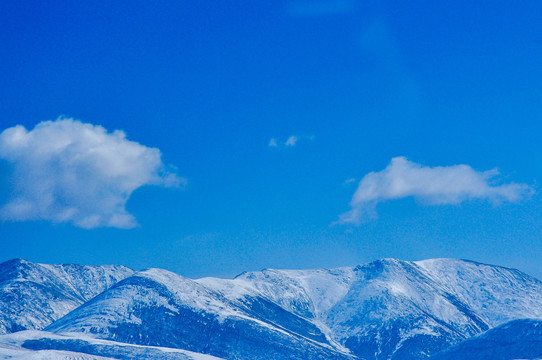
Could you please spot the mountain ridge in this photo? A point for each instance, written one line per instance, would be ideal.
(385, 309)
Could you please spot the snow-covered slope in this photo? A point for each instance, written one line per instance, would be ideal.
(496, 293)
(517, 339)
(386, 309)
(43, 345)
(33, 295)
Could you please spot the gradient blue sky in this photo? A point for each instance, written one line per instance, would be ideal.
(357, 82)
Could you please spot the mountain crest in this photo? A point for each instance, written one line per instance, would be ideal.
(386, 309)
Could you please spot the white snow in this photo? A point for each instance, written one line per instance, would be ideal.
(499, 294)
(11, 347)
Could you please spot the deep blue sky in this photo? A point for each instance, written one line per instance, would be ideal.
(210, 83)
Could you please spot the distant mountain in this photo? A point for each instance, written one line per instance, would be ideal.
(32, 296)
(517, 339)
(387, 309)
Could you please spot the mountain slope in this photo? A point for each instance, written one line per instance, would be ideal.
(518, 339)
(32, 296)
(496, 293)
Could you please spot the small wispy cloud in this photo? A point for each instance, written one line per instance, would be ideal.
(69, 171)
(434, 185)
(291, 141)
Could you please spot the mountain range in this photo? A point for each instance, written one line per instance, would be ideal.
(388, 309)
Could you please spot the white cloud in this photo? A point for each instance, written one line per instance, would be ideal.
(434, 185)
(273, 142)
(69, 171)
(291, 141)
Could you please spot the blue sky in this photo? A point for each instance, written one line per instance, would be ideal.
(340, 87)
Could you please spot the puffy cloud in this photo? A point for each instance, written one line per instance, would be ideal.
(433, 185)
(69, 171)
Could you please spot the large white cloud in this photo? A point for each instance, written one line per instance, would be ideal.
(69, 171)
(433, 185)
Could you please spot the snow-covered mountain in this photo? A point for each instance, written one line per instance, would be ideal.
(397, 309)
(157, 307)
(33, 295)
(387, 309)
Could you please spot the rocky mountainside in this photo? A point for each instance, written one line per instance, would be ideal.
(32, 296)
(387, 309)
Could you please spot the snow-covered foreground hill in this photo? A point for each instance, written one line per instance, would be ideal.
(387, 309)
(43, 345)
